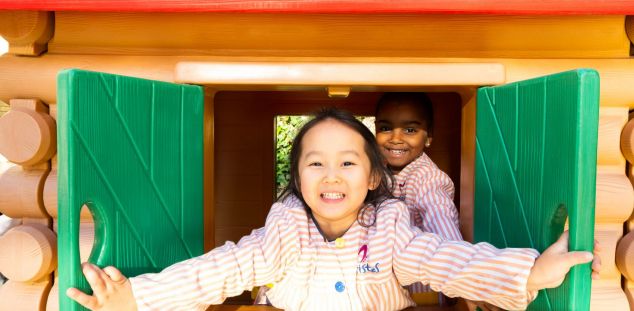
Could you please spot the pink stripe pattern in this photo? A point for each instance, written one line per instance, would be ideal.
(428, 193)
(309, 273)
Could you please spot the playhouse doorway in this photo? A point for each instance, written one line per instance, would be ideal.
(245, 184)
(264, 90)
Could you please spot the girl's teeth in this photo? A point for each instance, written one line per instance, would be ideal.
(397, 151)
(332, 195)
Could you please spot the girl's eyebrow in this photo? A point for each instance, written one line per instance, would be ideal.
(311, 153)
(317, 153)
(350, 152)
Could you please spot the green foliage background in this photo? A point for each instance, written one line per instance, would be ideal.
(286, 128)
(4, 108)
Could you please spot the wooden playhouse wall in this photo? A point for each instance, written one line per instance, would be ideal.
(149, 45)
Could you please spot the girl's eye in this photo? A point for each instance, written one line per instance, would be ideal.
(384, 129)
(348, 163)
(314, 164)
(410, 130)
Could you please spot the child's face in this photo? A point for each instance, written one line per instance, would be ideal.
(334, 173)
(401, 133)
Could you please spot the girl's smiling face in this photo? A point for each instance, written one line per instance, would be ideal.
(334, 173)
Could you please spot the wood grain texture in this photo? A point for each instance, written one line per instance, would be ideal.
(339, 74)
(608, 235)
(615, 196)
(611, 122)
(392, 35)
(49, 192)
(627, 141)
(21, 194)
(608, 295)
(28, 253)
(52, 302)
(625, 256)
(629, 27)
(336, 6)
(18, 74)
(209, 209)
(27, 32)
(27, 133)
(20, 296)
(467, 163)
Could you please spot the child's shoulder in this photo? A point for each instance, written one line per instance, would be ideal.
(423, 168)
(289, 204)
(423, 162)
(291, 201)
(392, 208)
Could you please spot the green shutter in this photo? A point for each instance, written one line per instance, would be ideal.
(536, 149)
(131, 150)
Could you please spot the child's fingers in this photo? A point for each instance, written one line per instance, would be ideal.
(596, 264)
(98, 280)
(561, 245)
(114, 274)
(557, 282)
(95, 278)
(87, 301)
(574, 258)
(597, 246)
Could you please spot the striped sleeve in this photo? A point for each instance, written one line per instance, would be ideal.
(433, 196)
(477, 272)
(226, 271)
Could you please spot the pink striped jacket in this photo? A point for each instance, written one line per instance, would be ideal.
(364, 271)
(428, 193)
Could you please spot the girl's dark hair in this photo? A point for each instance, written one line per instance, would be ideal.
(378, 169)
(420, 100)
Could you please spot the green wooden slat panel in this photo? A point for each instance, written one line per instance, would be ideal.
(131, 150)
(536, 148)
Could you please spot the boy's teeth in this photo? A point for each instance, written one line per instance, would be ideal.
(332, 195)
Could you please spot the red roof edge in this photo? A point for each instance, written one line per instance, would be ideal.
(543, 7)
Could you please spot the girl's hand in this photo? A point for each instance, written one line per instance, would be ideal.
(111, 290)
(551, 267)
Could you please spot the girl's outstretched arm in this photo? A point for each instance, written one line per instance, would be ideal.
(542, 277)
(479, 272)
(196, 283)
(551, 267)
(111, 290)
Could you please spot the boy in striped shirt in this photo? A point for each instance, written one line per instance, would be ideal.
(404, 125)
